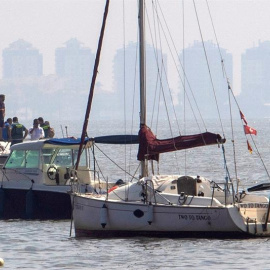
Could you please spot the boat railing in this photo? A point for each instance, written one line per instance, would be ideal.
(226, 189)
(74, 182)
(93, 181)
(151, 194)
(96, 182)
(149, 191)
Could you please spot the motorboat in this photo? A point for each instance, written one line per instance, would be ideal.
(37, 176)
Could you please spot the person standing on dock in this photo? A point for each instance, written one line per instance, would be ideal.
(18, 131)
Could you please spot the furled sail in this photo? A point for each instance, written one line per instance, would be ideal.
(150, 147)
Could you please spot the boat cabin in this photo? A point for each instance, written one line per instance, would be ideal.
(48, 162)
(174, 189)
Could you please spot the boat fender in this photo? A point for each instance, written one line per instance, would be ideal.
(103, 215)
(29, 204)
(150, 214)
(2, 201)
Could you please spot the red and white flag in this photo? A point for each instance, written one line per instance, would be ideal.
(249, 147)
(243, 117)
(250, 130)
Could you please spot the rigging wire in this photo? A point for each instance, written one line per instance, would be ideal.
(231, 92)
(160, 76)
(126, 172)
(184, 85)
(96, 163)
(178, 69)
(124, 80)
(161, 83)
(229, 96)
(92, 86)
(160, 86)
(233, 141)
(159, 69)
(134, 91)
(259, 155)
(166, 76)
(157, 79)
(208, 66)
(184, 74)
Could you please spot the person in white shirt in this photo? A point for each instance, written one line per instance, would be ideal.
(36, 132)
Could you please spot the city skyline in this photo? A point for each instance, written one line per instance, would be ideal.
(48, 24)
(23, 77)
(17, 43)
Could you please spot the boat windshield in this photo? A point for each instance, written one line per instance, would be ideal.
(47, 155)
(23, 159)
(68, 157)
(64, 157)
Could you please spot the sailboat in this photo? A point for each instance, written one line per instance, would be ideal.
(170, 205)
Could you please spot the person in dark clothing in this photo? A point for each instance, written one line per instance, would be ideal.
(41, 121)
(44, 126)
(2, 114)
(2, 110)
(18, 131)
(48, 131)
(7, 130)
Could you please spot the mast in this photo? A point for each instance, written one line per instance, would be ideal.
(92, 87)
(142, 72)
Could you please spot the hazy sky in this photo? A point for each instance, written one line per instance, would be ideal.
(48, 24)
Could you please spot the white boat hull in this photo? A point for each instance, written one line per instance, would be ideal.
(97, 217)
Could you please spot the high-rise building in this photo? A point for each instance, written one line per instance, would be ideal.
(198, 79)
(29, 94)
(21, 60)
(74, 63)
(126, 77)
(255, 83)
(22, 72)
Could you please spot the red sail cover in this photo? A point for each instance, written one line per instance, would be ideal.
(150, 147)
